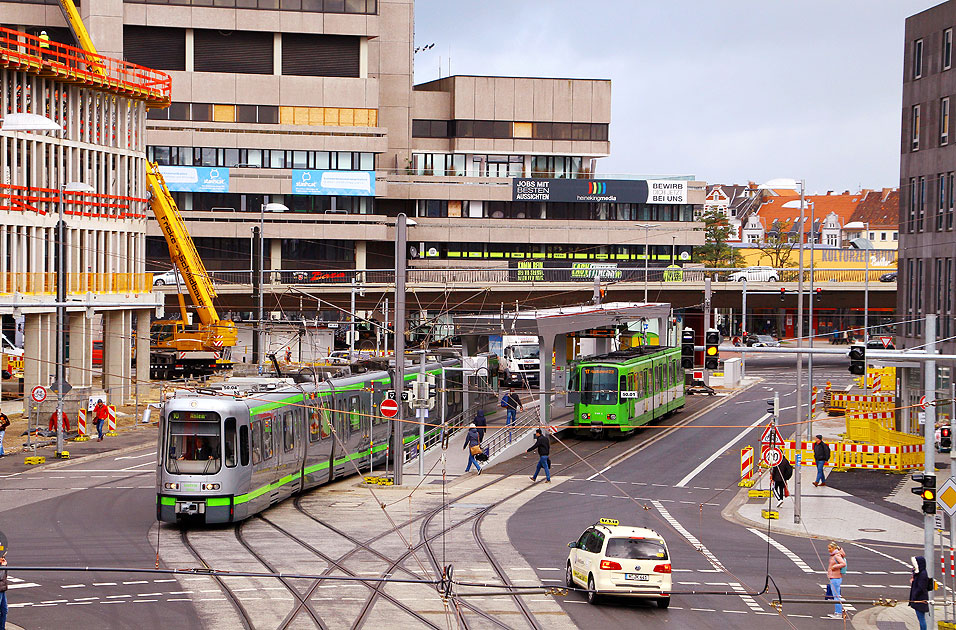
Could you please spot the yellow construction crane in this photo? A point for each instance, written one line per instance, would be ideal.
(75, 22)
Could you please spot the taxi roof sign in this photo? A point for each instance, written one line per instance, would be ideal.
(609, 521)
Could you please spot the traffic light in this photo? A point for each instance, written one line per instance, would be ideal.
(857, 359)
(432, 390)
(687, 349)
(945, 438)
(711, 351)
(783, 293)
(926, 490)
(818, 293)
(772, 407)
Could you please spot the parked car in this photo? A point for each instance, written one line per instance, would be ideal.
(168, 277)
(754, 274)
(888, 277)
(762, 341)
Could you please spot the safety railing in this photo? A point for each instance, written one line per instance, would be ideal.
(44, 201)
(436, 434)
(507, 435)
(840, 402)
(865, 456)
(44, 283)
(529, 272)
(25, 52)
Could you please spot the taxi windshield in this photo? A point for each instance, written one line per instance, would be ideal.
(193, 441)
(635, 549)
(599, 385)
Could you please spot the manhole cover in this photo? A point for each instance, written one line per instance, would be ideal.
(872, 530)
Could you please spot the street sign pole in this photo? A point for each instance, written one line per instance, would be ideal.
(929, 462)
(422, 416)
(399, 345)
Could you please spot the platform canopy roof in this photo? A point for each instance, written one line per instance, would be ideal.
(549, 322)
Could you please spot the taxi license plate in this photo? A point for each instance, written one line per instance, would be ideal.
(637, 577)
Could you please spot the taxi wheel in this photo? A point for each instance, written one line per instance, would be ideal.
(592, 592)
(663, 602)
(569, 577)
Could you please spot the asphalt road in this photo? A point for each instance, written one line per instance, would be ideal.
(708, 552)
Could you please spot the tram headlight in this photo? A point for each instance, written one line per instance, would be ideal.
(171, 486)
(210, 486)
(585, 416)
(612, 416)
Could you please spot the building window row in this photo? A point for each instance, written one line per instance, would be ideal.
(502, 129)
(244, 52)
(918, 62)
(268, 114)
(661, 254)
(261, 158)
(441, 208)
(361, 7)
(306, 204)
(477, 165)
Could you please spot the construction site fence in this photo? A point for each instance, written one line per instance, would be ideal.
(840, 403)
(862, 456)
(40, 283)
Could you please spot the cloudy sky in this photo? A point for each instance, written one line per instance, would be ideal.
(727, 90)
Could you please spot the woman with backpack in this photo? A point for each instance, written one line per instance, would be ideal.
(780, 474)
(835, 574)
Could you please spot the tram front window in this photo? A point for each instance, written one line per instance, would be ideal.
(193, 443)
(598, 385)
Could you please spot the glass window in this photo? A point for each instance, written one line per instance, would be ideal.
(598, 385)
(269, 114)
(268, 440)
(208, 156)
(300, 159)
(325, 415)
(561, 131)
(947, 49)
(914, 127)
(201, 112)
(193, 440)
(367, 161)
(345, 161)
(944, 121)
(917, 59)
(596, 542)
(254, 158)
(288, 431)
(246, 114)
(230, 157)
(580, 131)
(276, 159)
(635, 549)
(230, 443)
(256, 442)
(244, 445)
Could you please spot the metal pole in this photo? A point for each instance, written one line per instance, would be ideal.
(952, 473)
(262, 263)
(397, 425)
(385, 336)
(352, 323)
(866, 294)
(60, 320)
(256, 287)
(743, 330)
(798, 436)
(929, 451)
(812, 329)
(422, 417)
(647, 257)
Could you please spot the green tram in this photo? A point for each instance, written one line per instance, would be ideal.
(615, 393)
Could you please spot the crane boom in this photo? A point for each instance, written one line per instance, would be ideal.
(75, 22)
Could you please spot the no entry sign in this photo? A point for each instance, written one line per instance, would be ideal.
(389, 408)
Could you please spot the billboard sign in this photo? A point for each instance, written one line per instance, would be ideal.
(663, 191)
(196, 178)
(340, 183)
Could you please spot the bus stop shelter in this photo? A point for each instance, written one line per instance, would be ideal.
(552, 326)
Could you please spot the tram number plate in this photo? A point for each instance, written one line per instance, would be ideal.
(628, 394)
(637, 577)
(190, 507)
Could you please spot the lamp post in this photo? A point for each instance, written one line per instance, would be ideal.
(401, 230)
(647, 255)
(257, 338)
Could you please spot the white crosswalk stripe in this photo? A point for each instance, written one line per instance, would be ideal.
(796, 560)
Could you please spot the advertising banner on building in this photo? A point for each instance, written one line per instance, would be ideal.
(337, 183)
(196, 178)
(565, 271)
(654, 191)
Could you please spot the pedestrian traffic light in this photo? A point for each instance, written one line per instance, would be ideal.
(926, 490)
(783, 293)
(711, 350)
(945, 438)
(857, 359)
(818, 293)
(687, 349)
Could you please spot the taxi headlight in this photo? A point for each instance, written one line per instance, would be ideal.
(210, 486)
(171, 486)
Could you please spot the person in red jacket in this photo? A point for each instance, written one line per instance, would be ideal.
(101, 413)
(66, 421)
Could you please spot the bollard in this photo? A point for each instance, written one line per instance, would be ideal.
(111, 421)
(81, 427)
(813, 404)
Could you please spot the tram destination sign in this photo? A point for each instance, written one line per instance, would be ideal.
(653, 191)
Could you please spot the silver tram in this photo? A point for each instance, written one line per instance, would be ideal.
(224, 456)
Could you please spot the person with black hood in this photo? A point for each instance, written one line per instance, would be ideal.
(481, 424)
(473, 444)
(544, 450)
(919, 590)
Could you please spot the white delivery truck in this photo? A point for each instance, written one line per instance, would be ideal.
(519, 364)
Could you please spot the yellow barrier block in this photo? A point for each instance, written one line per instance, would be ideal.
(81, 438)
(770, 514)
(746, 483)
(758, 494)
(34, 460)
(62, 455)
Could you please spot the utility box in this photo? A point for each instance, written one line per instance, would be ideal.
(732, 372)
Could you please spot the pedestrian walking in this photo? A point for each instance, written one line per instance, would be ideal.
(100, 412)
(512, 403)
(4, 423)
(821, 455)
(834, 573)
(780, 474)
(543, 445)
(919, 590)
(288, 354)
(3, 593)
(481, 424)
(473, 444)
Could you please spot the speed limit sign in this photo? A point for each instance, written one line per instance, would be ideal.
(772, 456)
(38, 394)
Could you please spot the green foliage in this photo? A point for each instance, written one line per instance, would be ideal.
(716, 252)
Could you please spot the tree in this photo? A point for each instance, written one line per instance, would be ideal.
(777, 246)
(716, 251)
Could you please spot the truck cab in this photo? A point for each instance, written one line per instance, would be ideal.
(520, 361)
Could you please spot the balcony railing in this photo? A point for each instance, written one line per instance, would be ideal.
(44, 283)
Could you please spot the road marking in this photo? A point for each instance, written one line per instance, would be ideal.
(880, 553)
(15, 582)
(719, 452)
(600, 472)
(796, 560)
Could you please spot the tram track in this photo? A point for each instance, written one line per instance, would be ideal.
(233, 599)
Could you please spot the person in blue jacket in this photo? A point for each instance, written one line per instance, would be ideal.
(472, 440)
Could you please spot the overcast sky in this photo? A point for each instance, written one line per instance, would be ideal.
(727, 90)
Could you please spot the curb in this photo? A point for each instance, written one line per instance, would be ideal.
(91, 457)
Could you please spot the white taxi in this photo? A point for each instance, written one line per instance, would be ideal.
(614, 559)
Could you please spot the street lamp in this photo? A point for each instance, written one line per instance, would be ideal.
(257, 337)
(647, 254)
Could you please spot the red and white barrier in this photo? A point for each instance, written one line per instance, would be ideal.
(111, 421)
(747, 462)
(81, 423)
(813, 404)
